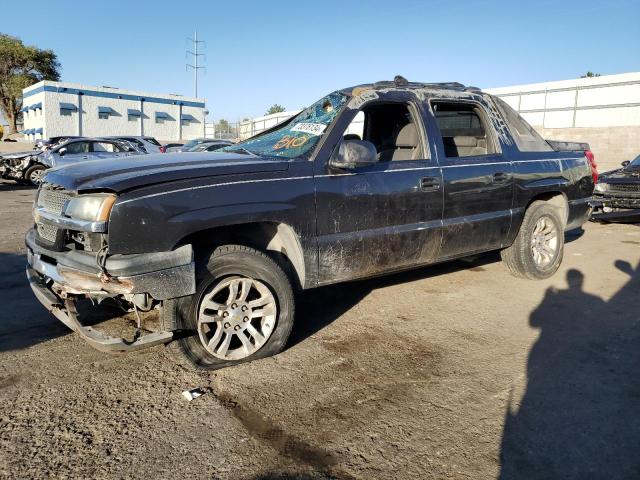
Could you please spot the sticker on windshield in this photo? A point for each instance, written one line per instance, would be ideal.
(310, 128)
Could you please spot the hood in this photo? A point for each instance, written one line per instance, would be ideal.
(126, 173)
(20, 154)
(621, 175)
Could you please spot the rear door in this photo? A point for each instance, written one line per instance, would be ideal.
(386, 216)
(478, 179)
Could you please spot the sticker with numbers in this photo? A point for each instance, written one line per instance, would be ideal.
(310, 128)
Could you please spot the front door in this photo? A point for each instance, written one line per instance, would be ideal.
(386, 216)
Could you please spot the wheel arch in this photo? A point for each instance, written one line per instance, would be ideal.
(557, 199)
(272, 237)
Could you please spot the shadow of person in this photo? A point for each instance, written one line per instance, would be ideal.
(580, 414)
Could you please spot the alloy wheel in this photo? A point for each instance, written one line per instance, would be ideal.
(544, 242)
(236, 317)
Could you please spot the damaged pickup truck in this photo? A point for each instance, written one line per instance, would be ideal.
(367, 181)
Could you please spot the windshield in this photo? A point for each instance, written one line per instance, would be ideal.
(298, 137)
(635, 162)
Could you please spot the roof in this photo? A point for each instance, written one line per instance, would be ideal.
(402, 83)
(111, 92)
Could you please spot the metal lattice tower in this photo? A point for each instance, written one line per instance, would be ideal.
(196, 55)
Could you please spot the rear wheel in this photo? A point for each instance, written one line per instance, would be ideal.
(34, 174)
(242, 310)
(538, 248)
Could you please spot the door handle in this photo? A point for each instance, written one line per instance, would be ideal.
(500, 177)
(429, 184)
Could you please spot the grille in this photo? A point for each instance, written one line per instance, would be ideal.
(48, 232)
(624, 187)
(53, 200)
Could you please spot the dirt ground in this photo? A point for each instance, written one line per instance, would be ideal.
(454, 371)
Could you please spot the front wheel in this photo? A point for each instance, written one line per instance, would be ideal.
(242, 310)
(34, 174)
(538, 248)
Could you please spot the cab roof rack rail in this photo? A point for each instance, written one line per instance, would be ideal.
(400, 81)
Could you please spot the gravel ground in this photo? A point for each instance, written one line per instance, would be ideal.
(455, 371)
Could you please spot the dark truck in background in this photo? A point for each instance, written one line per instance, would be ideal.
(367, 181)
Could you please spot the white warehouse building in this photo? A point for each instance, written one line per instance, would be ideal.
(52, 109)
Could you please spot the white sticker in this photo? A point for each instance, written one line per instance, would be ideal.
(311, 128)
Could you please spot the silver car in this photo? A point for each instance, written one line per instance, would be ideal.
(147, 144)
(210, 146)
(78, 150)
(187, 147)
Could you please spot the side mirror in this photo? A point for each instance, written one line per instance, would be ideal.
(62, 152)
(354, 154)
(625, 163)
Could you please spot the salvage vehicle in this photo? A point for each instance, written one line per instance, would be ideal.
(220, 241)
(189, 145)
(617, 194)
(210, 146)
(146, 144)
(29, 168)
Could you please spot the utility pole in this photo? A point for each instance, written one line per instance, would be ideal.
(196, 56)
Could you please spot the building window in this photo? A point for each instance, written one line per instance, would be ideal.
(65, 112)
(105, 112)
(133, 118)
(186, 123)
(161, 117)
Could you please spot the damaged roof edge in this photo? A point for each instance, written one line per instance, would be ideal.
(401, 83)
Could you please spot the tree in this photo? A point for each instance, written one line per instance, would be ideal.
(275, 108)
(21, 66)
(590, 75)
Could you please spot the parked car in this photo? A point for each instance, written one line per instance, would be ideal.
(617, 194)
(210, 146)
(30, 168)
(146, 144)
(222, 240)
(189, 145)
(172, 145)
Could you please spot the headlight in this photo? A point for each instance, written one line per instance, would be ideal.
(601, 187)
(94, 208)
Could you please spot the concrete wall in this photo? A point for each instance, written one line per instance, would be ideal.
(610, 145)
(86, 121)
(602, 111)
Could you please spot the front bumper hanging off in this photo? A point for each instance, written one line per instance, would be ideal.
(57, 278)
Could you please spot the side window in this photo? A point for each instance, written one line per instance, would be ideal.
(77, 147)
(526, 138)
(464, 129)
(392, 128)
(105, 147)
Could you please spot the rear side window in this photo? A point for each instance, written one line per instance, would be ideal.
(526, 138)
(106, 147)
(133, 140)
(152, 140)
(464, 129)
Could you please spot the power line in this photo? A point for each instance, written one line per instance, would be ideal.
(196, 56)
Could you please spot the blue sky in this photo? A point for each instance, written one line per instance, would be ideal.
(293, 52)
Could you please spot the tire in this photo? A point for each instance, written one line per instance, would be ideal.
(33, 175)
(227, 266)
(521, 258)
